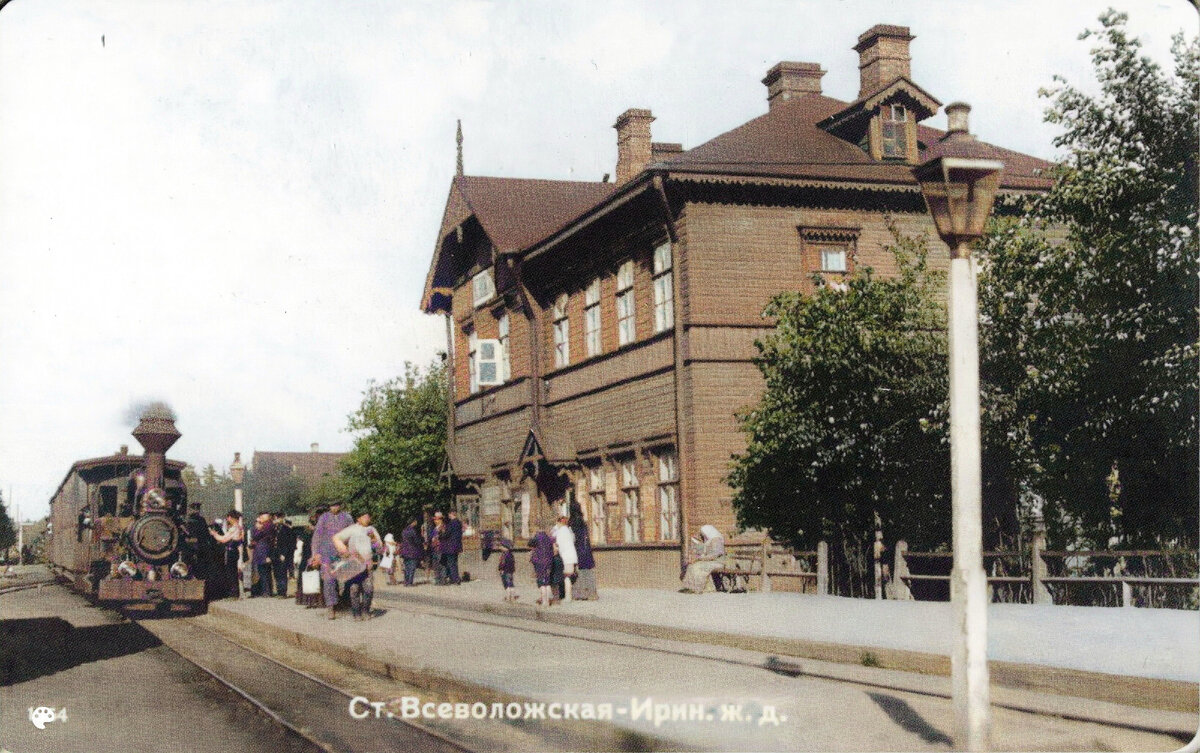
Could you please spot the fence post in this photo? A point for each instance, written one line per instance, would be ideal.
(822, 568)
(1038, 571)
(900, 589)
(1126, 594)
(877, 549)
(765, 585)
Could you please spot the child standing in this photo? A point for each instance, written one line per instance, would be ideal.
(508, 566)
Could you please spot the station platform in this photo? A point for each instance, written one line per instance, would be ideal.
(798, 654)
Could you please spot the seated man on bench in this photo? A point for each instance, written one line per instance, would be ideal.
(709, 559)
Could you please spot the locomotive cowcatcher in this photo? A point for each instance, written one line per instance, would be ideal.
(120, 534)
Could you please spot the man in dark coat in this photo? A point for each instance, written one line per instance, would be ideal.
(451, 547)
(262, 542)
(282, 553)
(411, 550)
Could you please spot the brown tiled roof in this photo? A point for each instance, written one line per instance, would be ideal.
(515, 212)
(787, 143)
(309, 466)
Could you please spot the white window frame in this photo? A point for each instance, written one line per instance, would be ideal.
(632, 503)
(502, 329)
(483, 287)
(626, 308)
(664, 288)
(592, 324)
(562, 331)
(668, 495)
(488, 363)
(598, 500)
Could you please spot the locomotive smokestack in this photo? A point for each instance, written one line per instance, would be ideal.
(156, 432)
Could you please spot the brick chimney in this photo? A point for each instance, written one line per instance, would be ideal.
(882, 57)
(634, 150)
(788, 81)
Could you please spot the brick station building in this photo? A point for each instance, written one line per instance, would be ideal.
(601, 335)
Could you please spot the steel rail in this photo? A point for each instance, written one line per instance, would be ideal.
(311, 678)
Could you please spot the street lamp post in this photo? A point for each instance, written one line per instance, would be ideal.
(959, 181)
(237, 471)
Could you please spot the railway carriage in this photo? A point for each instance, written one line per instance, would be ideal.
(120, 532)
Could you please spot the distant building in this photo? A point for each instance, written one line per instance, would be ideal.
(279, 479)
(601, 335)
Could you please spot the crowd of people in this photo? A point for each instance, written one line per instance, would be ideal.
(333, 559)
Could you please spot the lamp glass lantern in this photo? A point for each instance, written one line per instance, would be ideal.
(959, 192)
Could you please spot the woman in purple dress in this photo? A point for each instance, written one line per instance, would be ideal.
(585, 586)
(542, 558)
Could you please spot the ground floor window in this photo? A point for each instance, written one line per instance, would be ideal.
(631, 499)
(596, 501)
(468, 513)
(668, 495)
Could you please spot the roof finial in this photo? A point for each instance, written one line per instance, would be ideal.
(458, 138)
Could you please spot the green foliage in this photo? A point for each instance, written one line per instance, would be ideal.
(395, 466)
(213, 490)
(8, 529)
(852, 422)
(272, 489)
(1089, 309)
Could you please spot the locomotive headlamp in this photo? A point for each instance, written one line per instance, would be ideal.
(127, 568)
(179, 570)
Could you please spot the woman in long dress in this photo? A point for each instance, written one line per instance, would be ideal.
(711, 557)
(585, 585)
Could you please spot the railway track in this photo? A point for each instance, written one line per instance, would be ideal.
(304, 704)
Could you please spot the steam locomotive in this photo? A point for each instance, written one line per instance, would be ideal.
(119, 530)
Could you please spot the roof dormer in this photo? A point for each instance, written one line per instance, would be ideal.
(884, 123)
(883, 120)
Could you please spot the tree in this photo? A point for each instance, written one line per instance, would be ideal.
(213, 490)
(8, 530)
(396, 463)
(852, 424)
(1089, 309)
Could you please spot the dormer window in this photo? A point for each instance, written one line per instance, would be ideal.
(894, 132)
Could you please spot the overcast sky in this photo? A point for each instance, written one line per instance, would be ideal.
(230, 206)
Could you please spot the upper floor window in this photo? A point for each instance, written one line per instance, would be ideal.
(505, 360)
(591, 318)
(483, 287)
(664, 292)
(895, 132)
(562, 331)
(833, 258)
(626, 324)
(472, 374)
(829, 250)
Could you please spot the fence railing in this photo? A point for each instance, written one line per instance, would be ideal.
(762, 562)
(1036, 572)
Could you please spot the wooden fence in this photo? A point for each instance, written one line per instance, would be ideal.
(757, 565)
(1077, 567)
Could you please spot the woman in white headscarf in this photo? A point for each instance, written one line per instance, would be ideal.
(388, 562)
(711, 556)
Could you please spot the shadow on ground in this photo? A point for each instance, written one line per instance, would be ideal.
(36, 647)
(904, 715)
